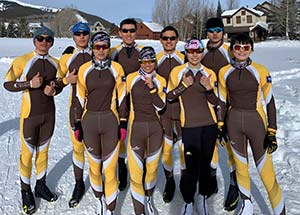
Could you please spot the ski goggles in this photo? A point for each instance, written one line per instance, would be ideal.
(79, 33)
(192, 51)
(239, 47)
(172, 38)
(41, 38)
(216, 29)
(98, 47)
(147, 61)
(131, 30)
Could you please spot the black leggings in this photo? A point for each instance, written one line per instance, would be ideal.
(199, 144)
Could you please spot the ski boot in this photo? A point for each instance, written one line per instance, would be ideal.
(169, 189)
(78, 193)
(42, 191)
(28, 203)
(213, 183)
(232, 198)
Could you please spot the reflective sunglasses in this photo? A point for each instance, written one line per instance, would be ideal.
(48, 39)
(84, 33)
(239, 47)
(98, 47)
(147, 61)
(216, 29)
(131, 30)
(172, 38)
(192, 51)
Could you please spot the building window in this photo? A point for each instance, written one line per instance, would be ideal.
(249, 19)
(228, 20)
(243, 12)
(238, 20)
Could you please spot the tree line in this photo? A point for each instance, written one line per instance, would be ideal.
(188, 16)
(194, 13)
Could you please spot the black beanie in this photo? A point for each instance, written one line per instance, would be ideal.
(214, 22)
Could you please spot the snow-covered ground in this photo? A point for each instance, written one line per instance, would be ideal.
(281, 57)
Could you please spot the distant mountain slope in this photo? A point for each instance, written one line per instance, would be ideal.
(16, 10)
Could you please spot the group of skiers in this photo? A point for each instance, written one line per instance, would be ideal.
(129, 106)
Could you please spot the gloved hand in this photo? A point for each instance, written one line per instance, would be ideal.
(270, 142)
(222, 134)
(122, 130)
(78, 132)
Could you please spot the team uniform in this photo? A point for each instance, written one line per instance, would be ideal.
(248, 87)
(37, 115)
(199, 129)
(128, 58)
(170, 114)
(145, 135)
(101, 104)
(72, 59)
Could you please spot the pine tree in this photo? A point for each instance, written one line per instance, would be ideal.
(219, 10)
(11, 29)
(2, 29)
(23, 30)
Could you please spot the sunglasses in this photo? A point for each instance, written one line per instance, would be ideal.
(41, 39)
(84, 33)
(147, 61)
(98, 47)
(131, 30)
(239, 47)
(192, 51)
(172, 38)
(216, 29)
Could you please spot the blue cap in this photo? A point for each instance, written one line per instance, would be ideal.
(43, 31)
(81, 27)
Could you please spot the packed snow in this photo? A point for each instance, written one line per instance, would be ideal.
(281, 57)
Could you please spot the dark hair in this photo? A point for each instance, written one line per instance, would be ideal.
(128, 21)
(241, 39)
(169, 28)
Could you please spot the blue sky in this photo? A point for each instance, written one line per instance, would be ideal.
(116, 10)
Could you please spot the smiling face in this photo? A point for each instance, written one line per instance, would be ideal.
(241, 52)
(100, 50)
(194, 57)
(169, 41)
(148, 65)
(128, 34)
(42, 44)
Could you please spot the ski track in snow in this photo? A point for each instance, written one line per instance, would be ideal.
(286, 78)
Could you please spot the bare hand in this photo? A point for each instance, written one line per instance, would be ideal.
(36, 81)
(187, 80)
(149, 82)
(72, 78)
(205, 82)
(49, 89)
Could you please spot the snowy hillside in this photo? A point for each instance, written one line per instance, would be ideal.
(281, 57)
(43, 8)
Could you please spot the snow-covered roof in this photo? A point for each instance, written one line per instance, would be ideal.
(155, 27)
(232, 12)
(261, 24)
(229, 12)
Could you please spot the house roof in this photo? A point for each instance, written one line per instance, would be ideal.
(233, 12)
(230, 29)
(259, 24)
(154, 27)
